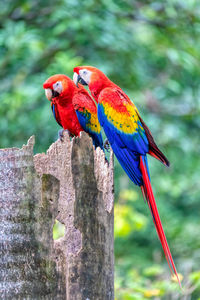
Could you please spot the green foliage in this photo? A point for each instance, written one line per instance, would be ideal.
(152, 50)
(126, 218)
(58, 230)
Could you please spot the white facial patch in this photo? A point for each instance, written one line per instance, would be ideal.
(58, 87)
(85, 75)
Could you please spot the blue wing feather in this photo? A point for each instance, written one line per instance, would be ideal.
(53, 110)
(84, 118)
(86, 112)
(127, 147)
(55, 114)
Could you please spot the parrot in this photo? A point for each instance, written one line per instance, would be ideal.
(73, 108)
(129, 138)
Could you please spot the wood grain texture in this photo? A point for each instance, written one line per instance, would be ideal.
(73, 184)
(27, 270)
(86, 209)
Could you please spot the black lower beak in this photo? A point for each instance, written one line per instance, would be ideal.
(55, 94)
(81, 80)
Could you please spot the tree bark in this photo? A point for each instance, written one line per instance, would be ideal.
(72, 183)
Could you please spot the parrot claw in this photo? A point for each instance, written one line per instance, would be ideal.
(61, 135)
(106, 145)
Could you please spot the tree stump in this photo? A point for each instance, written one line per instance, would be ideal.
(72, 183)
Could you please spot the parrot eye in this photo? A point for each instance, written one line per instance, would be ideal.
(84, 75)
(57, 87)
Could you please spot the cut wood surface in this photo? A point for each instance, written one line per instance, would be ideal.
(72, 183)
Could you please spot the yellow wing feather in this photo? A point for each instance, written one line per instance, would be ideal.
(124, 121)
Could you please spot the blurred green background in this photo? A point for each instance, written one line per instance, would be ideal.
(152, 50)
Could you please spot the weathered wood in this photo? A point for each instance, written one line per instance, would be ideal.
(27, 270)
(73, 184)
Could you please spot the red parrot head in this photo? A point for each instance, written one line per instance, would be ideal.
(91, 76)
(58, 86)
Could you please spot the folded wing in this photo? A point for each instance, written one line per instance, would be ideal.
(123, 128)
(56, 114)
(86, 111)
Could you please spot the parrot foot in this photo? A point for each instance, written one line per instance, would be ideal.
(61, 135)
(106, 145)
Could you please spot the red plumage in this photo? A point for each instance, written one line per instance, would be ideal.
(149, 197)
(130, 139)
(64, 110)
(73, 107)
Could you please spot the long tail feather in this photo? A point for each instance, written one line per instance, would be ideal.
(148, 195)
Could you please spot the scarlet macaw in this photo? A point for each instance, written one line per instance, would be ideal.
(128, 136)
(73, 108)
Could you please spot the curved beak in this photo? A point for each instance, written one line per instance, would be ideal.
(48, 94)
(77, 78)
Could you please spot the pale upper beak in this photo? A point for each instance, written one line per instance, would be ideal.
(48, 94)
(76, 78)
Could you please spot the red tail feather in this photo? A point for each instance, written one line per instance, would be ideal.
(148, 195)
